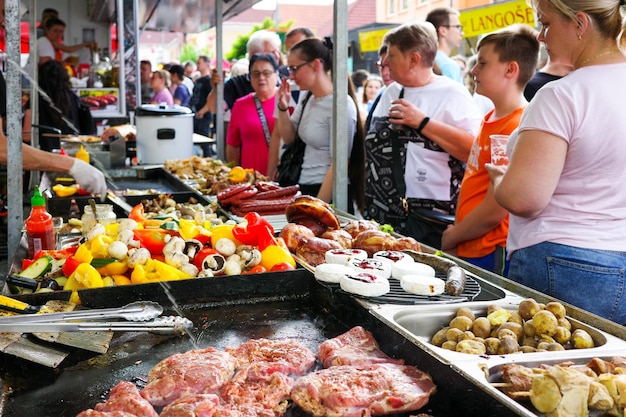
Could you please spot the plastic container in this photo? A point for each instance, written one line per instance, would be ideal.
(39, 226)
(104, 215)
(82, 154)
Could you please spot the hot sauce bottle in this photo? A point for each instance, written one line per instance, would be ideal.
(39, 226)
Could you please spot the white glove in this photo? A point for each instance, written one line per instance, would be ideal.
(89, 178)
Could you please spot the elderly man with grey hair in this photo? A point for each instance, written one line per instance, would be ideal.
(262, 41)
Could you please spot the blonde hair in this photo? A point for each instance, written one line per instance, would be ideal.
(164, 75)
(605, 13)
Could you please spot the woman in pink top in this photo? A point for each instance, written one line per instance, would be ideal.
(160, 83)
(252, 118)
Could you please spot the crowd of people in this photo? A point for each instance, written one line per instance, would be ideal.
(418, 138)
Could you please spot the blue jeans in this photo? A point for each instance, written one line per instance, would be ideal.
(495, 262)
(591, 279)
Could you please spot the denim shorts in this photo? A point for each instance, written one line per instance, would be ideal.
(590, 279)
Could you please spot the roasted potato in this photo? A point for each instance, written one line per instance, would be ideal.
(581, 339)
(439, 337)
(466, 312)
(545, 322)
(557, 309)
(462, 323)
(528, 308)
(471, 347)
(481, 327)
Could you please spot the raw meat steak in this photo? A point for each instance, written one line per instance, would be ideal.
(201, 371)
(124, 400)
(357, 346)
(259, 384)
(94, 413)
(199, 405)
(363, 391)
(295, 358)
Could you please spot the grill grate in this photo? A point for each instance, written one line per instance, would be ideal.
(397, 295)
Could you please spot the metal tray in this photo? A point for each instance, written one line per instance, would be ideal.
(225, 312)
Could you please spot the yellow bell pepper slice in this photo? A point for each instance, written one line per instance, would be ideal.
(84, 276)
(114, 268)
(188, 229)
(100, 246)
(167, 272)
(64, 191)
(112, 229)
(121, 280)
(237, 174)
(223, 230)
(83, 254)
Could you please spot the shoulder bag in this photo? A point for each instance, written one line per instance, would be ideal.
(290, 165)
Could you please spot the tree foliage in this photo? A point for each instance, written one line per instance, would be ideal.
(238, 50)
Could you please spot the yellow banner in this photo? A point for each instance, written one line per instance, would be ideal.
(487, 19)
(370, 41)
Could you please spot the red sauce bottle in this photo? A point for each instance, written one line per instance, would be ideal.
(39, 226)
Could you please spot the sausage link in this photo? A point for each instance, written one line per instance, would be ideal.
(279, 192)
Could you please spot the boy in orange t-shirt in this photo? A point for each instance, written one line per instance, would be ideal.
(507, 59)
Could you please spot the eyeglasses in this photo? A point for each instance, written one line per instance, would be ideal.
(379, 65)
(294, 68)
(265, 74)
(459, 27)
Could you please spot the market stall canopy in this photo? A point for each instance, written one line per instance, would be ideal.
(188, 16)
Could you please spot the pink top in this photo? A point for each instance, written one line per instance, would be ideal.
(163, 96)
(246, 132)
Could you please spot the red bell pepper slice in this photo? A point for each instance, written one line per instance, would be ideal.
(152, 239)
(255, 230)
(26, 263)
(203, 253)
(55, 254)
(70, 266)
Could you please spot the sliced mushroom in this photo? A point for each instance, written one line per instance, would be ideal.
(232, 268)
(175, 244)
(225, 246)
(189, 269)
(214, 263)
(192, 247)
(253, 259)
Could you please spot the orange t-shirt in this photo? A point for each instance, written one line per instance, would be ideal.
(476, 183)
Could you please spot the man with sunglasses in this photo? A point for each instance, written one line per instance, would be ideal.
(449, 36)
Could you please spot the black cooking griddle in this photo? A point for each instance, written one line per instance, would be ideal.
(226, 311)
(397, 295)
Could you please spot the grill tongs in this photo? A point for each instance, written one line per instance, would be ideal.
(142, 316)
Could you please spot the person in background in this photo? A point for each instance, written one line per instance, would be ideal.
(564, 185)
(160, 84)
(449, 36)
(241, 67)
(372, 86)
(88, 177)
(383, 70)
(50, 43)
(181, 93)
(277, 146)
(507, 59)
(145, 72)
(191, 70)
(310, 63)
(358, 80)
(419, 138)
(296, 35)
(60, 109)
(262, 41)
(252, 121)
(45, 15)
(201, 89)
(547, 73)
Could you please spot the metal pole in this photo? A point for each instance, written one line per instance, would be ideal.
(220, 135)
(340, 105)
(15, 197)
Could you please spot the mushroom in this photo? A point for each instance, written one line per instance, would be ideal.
(205, 273)
(175, 259)
(251, 259)
(95, 231)
(225, 246)
(192, 247)
(232, 268)
(127, 237)
(189, 269)
(137, 257)
(174, 244)
(118, 250)
(127, 224)
(214, 263)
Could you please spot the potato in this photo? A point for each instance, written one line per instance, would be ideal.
(562, 335)
(439, 337)
(466, 312)
(564, 322)
(492, 345)
(527, 349)
(466, 335)
(493, 307)
(516, 317)
(508, 344)
(529, 341)
(471, 347)
(498, 317)
(543, 346)
(462, 323)
(453, 334)
(557, 309)
(581, 339)
(546, 338)
(529, 329)
(506, 332)
(481, 327)
(553, 347)
(545, 322)
(516, 328)
(449, 345)
(528, 308)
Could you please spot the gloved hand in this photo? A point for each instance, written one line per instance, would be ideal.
(89, 178)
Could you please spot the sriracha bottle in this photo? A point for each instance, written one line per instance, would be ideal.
(39, 226)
